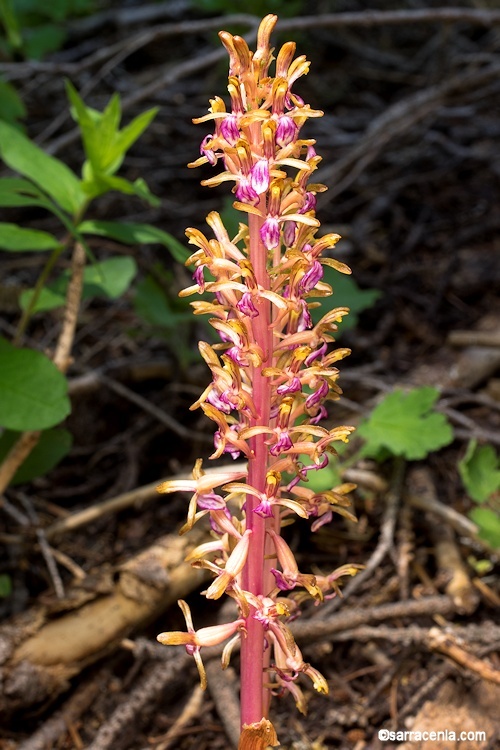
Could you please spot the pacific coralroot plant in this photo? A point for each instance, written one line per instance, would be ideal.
(272, 372)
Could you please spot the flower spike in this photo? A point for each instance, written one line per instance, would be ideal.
(272, 375)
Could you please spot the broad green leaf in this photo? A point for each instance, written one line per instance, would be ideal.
(17, 192)
(131, 234)
(50, 174)
(16, 239)
(111, 278)
(346, 293)
(489, 525)
(53, 445)
(33, 393)
(480, 471)
(406, 425)
(49, 298)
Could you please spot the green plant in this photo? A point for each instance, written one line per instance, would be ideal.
(480, 473)
(166, 316)
(33, 28)
(405, 424)
(33, 389)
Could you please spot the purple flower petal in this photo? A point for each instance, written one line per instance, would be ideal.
(208, 152)
(284, 444)
(319, 394)
(259, 176)
(309, 203)
(264, 509)
(282, 582)
(211, 501)
(287, 130)
(315, 354)
(289, 231)
(292, 387)
(246, 305)
(229, 129)
(245, 192)
(270, 233)
(322, 414)
(311, 277)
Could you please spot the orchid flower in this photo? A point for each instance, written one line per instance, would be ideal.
(272, 374)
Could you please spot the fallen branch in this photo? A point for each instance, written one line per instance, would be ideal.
(40, 653)
(393, 122)
(447, 644)
(116, 504)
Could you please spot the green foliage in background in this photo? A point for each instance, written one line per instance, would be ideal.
(166, 315)
(33, 392)
(12, 107)
(480, 473)
(406, 424)
(53, 445)
(34, 28)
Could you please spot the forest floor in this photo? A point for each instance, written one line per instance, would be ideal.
(410, 145)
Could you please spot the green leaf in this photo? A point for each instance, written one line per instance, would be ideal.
(16, 239)
(50, 298)
(480, 471)
(50, 174)
(33, 393)
(131, 132)
(17, 192)
(97, 128)
(53, 445)
(42, 40)
(111, 278)
(406, 425)
(11, 105)
(98, 183)
(10, 23)
(106, 145)
(131, 234)
(489, 525)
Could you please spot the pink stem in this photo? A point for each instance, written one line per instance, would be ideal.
(253, 703)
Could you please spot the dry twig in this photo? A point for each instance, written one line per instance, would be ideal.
(446, 644)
